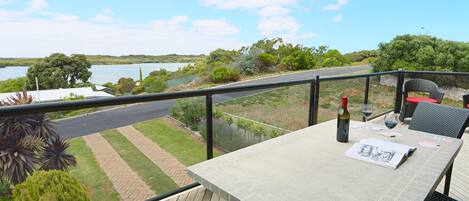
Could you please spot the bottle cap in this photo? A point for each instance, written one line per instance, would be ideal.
(344, 102)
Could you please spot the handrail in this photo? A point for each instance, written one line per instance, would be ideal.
(208, 94)
(112, 101)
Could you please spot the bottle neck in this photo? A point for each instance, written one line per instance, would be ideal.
(344, 103)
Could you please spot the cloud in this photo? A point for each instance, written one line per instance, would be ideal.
(275, 10)
(337, 18)
(36, 5)
(106, 11)
(214, 27)
(65, 18)
(274, 16)
(103, 18)
(278, 25)
(38, 37)
(178, 19)
(335, 6)
(308, 35)
(245, 4)
(5, 2)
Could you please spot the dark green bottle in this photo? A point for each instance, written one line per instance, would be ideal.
(343, 121)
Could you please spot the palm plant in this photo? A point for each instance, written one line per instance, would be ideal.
(29, 141)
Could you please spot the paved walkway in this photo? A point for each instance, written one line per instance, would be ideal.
(167, 162)
(125, 181)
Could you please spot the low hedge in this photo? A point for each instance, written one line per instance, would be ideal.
(50, 185)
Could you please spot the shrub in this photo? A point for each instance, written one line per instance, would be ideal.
(275, 133)
(224, 74)
(154, 84)
(267, 59)
(5, 189)
(217, 114)
(189, 112)
(13, 85)
(258, 129)
(299, 59)
(228, 119)
(329, 62)
(138, 89)
(125, 85)
(50, 185)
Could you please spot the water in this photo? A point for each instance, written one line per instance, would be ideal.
(103, 73)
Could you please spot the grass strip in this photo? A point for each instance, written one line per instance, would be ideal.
(89, 174)
(138, 162)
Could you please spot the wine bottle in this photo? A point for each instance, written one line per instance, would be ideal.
(343, 121)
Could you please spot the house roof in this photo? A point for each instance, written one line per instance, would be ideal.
(59, 94)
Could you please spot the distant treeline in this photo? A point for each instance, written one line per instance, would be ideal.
(107, 59)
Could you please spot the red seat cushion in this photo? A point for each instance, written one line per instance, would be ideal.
(418, 100)
(467, 106)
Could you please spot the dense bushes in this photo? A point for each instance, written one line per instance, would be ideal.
(224, 74)
(422, 52)
(299, 60)
(189, 111)
(13, 85)
(125, 85)
(153, 84)
(50, 185)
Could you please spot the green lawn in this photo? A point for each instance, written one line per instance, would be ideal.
(181, 145)
(89, 174)
(138, 162)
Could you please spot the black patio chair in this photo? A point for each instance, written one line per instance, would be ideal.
(440, 120)
(419, 85)
(465, 101)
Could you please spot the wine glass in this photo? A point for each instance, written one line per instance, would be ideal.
(391, 120)
(367, 110)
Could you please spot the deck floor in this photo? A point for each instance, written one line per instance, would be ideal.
(459, 180)
(195, 194)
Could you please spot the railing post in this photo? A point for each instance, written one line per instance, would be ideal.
(313, 102)
(367, 90)
(400, 83)
(209, 116)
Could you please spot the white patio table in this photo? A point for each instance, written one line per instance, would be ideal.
(309, 164)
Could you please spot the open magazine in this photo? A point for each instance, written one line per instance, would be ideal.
(380, 152)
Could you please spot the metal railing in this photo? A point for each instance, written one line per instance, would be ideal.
(208, 94)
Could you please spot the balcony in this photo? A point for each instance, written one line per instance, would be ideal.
(138, 147)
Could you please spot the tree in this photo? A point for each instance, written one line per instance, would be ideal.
(28, 142)
(125, 85)
(59, 71)
(222, 56)
(140, 74)
(422, 52)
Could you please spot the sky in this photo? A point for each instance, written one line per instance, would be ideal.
(37, 28)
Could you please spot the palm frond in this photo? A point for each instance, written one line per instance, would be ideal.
(17, 164)
(55, 156)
